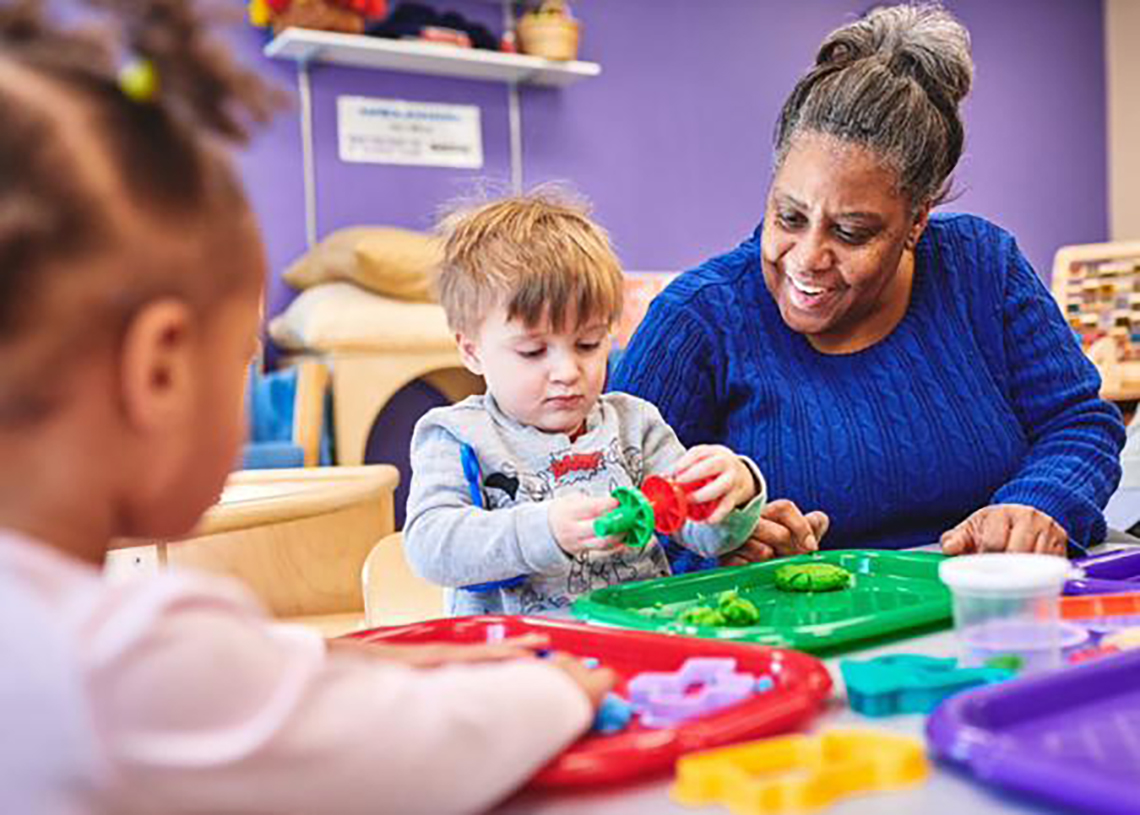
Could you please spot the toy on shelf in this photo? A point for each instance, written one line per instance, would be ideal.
(549, 31)
(800, 773)
(800, 684)
(890, 592)
(1098, 288)
(1070, 738)
(812, 577)
(699, 687)
(344, 16)
(1109, 573)
(661, 505)
(909, 683)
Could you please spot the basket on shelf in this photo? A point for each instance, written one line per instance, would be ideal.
(549, 32)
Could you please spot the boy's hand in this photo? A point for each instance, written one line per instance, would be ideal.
(571, 519)
(783, 531)
(594, 682)
(732, 483)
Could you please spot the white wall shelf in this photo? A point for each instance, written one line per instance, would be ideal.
(308, 48)
(357, 50)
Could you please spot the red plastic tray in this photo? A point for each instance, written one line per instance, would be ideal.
(801, 686)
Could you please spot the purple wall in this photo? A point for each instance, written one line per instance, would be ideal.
(672, 142)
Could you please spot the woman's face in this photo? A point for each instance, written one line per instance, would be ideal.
(835, 231)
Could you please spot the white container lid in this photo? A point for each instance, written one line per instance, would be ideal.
(1006, 573)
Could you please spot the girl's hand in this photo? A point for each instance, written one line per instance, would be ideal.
(1006, 528)
(782, 531)
(732, 483)
(435, 656)
(594, 682)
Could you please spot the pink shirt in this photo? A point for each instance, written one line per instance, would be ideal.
(175, 694)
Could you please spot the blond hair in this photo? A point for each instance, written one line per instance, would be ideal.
(539, 254)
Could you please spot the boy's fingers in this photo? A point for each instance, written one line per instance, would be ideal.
(699, 462)
(591, 507)
(716, 489)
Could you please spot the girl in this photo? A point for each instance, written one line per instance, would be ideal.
(130, 281)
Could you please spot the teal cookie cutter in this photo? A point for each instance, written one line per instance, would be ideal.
(909, 683)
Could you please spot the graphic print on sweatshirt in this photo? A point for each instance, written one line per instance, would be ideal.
(507, 486)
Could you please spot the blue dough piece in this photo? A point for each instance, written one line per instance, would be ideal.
(614, 715)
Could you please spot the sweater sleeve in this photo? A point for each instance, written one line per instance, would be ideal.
(672, 363)
(290, 726)
(450, 541)
(1075, 437)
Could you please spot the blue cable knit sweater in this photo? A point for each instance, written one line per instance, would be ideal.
(980, 395)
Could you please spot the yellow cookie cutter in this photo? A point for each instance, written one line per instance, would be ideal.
(799, 773)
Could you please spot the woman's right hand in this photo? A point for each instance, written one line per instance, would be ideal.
(783, 531)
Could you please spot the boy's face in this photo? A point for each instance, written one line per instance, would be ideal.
(538, 376)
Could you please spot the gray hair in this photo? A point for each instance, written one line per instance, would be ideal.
(891, 82)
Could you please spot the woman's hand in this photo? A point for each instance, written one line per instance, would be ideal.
(732, 483)
(782, 531)
(1006, 528)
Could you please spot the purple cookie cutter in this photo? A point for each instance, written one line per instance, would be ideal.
(1071, 737)
(1109, 573)
(664, 699)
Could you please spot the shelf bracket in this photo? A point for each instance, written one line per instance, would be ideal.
(308, 163)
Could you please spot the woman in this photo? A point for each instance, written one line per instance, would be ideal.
(904, 372)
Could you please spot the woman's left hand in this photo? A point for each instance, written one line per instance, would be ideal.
(1006, 528)
(783, 531)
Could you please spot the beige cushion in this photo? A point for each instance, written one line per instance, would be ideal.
(341, 316)
(394, 262)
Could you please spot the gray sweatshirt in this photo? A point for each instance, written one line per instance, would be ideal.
(451, 541)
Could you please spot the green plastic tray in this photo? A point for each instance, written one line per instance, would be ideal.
(892, 592)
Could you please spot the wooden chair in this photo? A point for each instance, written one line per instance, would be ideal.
(393, 594)
(297, 538)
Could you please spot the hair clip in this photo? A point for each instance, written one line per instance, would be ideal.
(138, 80)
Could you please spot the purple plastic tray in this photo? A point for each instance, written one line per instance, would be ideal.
(1109, 573)
(1070, 736)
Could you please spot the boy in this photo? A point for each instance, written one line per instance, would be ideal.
(531, 288)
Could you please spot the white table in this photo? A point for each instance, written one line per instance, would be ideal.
(946, 791)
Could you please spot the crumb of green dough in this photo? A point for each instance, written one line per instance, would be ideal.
(812, 577)
(731, 610)
(1007, 662)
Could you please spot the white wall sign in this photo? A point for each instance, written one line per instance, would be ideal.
(392, 131)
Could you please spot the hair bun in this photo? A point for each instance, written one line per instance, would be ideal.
(923, 42)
